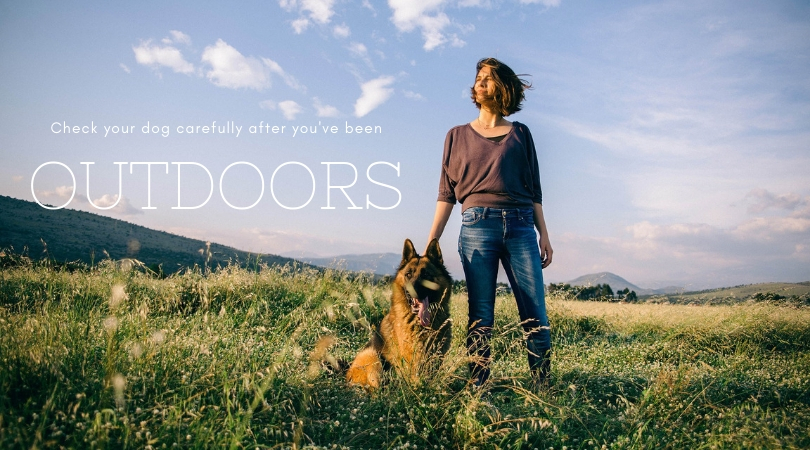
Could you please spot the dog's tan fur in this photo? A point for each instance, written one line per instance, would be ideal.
(401, 340)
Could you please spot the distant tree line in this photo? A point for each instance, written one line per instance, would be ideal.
(599, 292)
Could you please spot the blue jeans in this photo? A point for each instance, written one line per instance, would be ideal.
(490, 235)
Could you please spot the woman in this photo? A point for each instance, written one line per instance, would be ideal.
(490, 167)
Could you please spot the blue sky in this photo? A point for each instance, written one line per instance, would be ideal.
(673, 137)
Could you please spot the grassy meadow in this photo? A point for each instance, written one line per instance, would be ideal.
(116, 358)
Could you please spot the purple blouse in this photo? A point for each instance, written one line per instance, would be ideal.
(477, 171)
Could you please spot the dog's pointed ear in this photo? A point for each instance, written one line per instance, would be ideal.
(434, 252)
(408, 252)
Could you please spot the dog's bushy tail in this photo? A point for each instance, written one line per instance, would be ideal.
(321, 358)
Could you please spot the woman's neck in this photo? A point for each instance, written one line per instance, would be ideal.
(487, 119)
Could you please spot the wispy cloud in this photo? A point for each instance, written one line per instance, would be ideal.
(324, 110)
(413, 95)
(157, 56)
(547, 3)
(300, 25)
(124, 68)
(123, 207)
(63, 193)
(425, 15)
(764, 199)
(374, 93)
(177, 37)
(359, 50)
(60, 192)
(341, 31)
(758, 249)
(317, 11)
(230, 69)
(222, 64)
(289, 109)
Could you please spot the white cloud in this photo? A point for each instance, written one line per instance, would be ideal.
(61, 192)
(766, 199)
(341, 31)
(546, 3)
(324, 110)
(155, 56)
(475, 3)
(177, 37)
(366, 4)
(413, 95)
(230, 69)
(428, 17)
(358, 49)
(290, 109)
(374, 93)
(267, 104)
(759, 248)
(318, 11)
(300, 25)
(696, 256)
(124, 68)
(124, 207)
(410, 14)
(289, 80)
(432, 30)
(765, 228)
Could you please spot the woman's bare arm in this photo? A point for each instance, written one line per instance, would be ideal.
(545, 244)
(440, 218)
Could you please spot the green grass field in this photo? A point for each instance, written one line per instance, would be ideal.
(114, 358)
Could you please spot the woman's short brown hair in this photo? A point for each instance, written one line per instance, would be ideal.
(509, 88)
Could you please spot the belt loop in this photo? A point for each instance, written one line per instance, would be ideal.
(484, 212)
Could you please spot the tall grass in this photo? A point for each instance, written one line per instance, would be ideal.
(116, 358)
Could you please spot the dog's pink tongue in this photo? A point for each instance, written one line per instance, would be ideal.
(424, 312)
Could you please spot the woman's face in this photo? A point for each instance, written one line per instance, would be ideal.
(484, 86)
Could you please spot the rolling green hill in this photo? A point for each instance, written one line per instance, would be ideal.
(797, 293)
(68, 235)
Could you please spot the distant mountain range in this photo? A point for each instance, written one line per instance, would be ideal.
(377, 263)
(618, 283)
(69, 235)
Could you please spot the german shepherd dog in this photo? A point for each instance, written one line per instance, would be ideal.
(416, 331)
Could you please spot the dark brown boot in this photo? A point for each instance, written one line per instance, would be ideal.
(541, 374)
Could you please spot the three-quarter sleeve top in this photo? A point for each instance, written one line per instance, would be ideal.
(477, 171)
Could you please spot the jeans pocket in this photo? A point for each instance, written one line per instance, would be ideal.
(527, 219)
(470, 217)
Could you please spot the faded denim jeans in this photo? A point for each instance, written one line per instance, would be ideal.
(489, 236)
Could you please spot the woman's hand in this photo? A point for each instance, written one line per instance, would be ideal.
(545, 250)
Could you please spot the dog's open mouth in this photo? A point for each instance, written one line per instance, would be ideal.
(420, 307)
